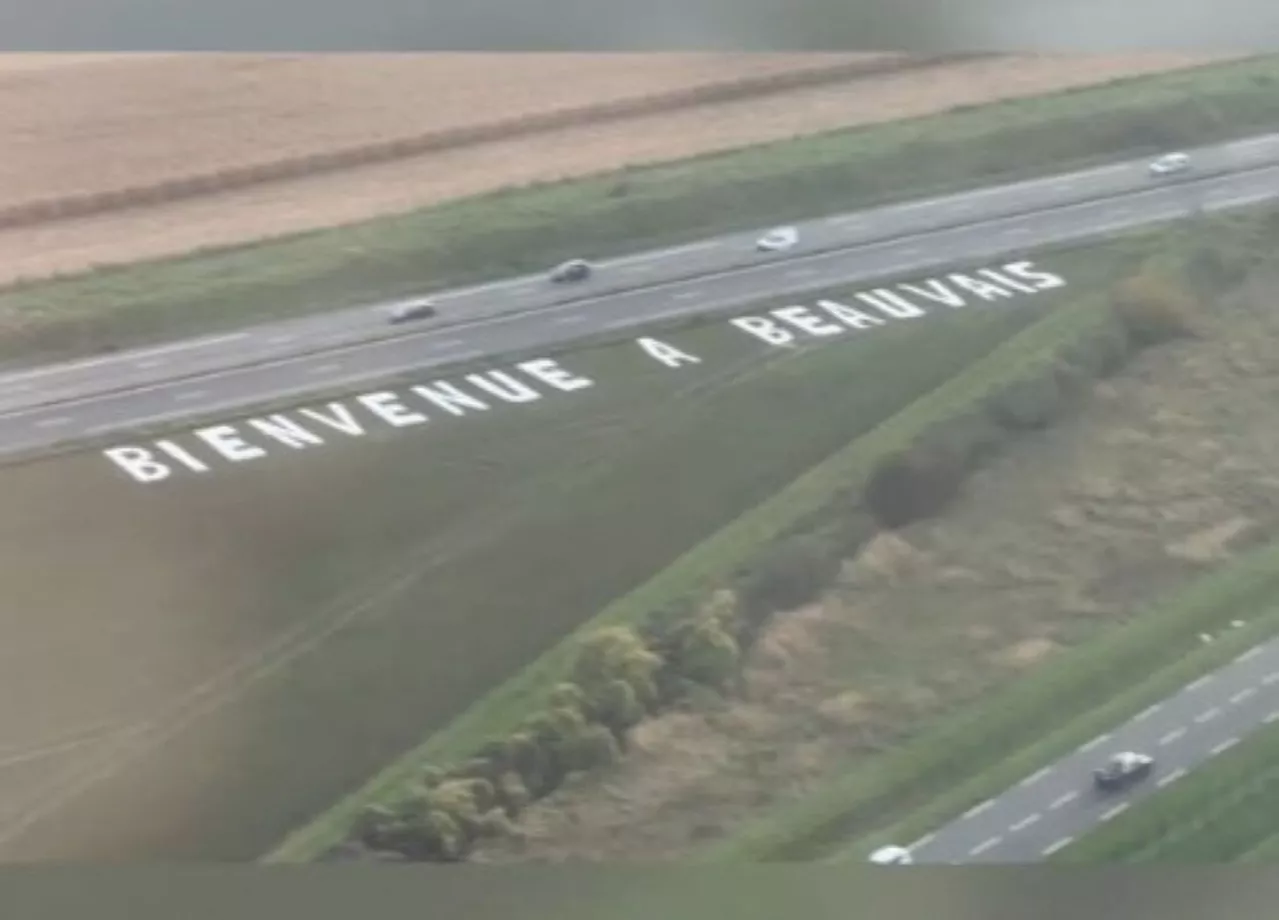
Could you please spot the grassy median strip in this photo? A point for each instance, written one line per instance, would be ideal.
(718, 558)
(1221, 812)
(525, 229)
(991, 775)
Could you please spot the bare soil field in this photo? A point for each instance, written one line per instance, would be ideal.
(75, 126)
(1169, 469)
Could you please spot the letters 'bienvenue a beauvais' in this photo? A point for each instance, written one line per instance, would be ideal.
(203, 450)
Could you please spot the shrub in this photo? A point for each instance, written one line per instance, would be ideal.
(913, 485)
(1152, 309)
(615, 706)
(511, 793)
(617, 653)
(791, 573)
(706, 653)
(1033, 402)
(1099, 352)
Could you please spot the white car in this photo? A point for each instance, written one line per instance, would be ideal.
(408, 310)
(1169, 164)
(891, 856)
(779, 239)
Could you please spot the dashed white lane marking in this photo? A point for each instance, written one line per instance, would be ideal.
(1090, 745)
(1270, 678)
(1025, 822)
(325, 369)
(1036, 776)
(1222, 746)
(1173, 736)
(191, 394)
(1064, 799)
(1056, 846)
(1172, 776)
(1208, 714)
(923, 841)
(1242, 695)
(684, 295)
(446, 344)
(54, 422)
(1249, 653)
(1271, 718)
(985, 845)
(150, 363)
(1113, 811)
(1199, 682)
(979, 808)
(1147, 713)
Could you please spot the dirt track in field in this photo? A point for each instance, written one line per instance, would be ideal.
(95, 122)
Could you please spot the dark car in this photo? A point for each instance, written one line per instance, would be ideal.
(573, 270)
(1122, 771)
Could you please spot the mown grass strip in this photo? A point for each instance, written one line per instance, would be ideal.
(998, 771)
(1267, 851)
(715, 559)
(1220, 812)
(525, 229)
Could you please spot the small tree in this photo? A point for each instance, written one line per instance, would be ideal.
(615, 706)
(617, 653)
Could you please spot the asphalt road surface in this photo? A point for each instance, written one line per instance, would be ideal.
(112, 394)
(1052, 807)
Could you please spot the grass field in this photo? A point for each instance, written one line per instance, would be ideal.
(524, 229)
(247, 607)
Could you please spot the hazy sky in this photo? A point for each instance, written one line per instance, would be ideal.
(306, 25)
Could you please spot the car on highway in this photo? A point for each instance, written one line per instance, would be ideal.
(1122, 770)
(891, 856)
(571, 271)
(1169, 164)
(779, 239)
(406, 311)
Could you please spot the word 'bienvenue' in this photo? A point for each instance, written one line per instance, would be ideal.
(202, 450)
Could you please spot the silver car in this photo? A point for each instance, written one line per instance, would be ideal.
(407, 311)
(891, 856)
(573, 270)
(1169, 164)
(779, 239)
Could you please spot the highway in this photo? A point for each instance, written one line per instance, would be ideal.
(102, 396)
(1052, 807)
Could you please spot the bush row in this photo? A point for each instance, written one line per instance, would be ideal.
(1216, 814)
(621, 675)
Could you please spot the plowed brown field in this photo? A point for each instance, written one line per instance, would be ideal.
(77, 124)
